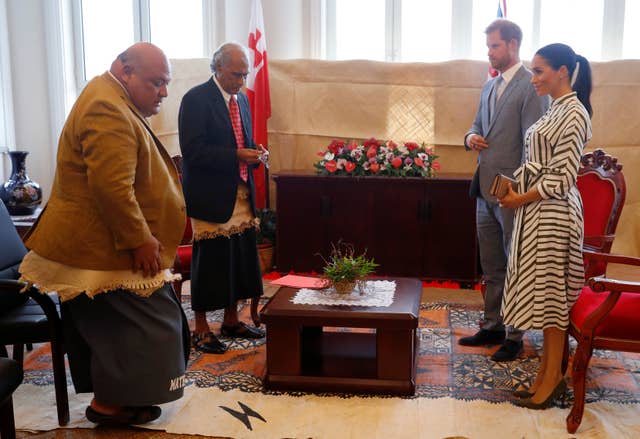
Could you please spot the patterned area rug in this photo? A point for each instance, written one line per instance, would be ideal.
(452, 380)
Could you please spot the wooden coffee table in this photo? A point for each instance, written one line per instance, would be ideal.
(307, 351)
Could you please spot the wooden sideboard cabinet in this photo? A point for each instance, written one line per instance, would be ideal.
(411, 226)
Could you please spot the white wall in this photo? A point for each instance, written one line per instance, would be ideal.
(30, 89)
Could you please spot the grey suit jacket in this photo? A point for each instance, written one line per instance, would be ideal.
(516, 110)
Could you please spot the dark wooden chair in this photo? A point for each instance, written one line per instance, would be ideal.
(10, 379)
(603, 190)
(604, 317)
(29, 317)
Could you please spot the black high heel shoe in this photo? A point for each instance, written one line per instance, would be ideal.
(558, 392)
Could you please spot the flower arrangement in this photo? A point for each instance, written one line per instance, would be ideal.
(375, 157)
(344, 268)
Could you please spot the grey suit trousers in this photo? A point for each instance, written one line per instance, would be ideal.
(494, 225)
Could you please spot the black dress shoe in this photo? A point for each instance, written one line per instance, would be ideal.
(558, 393)
(509, 351)
(208, 343)
(241, 330)
(483, 337)
(126, 416)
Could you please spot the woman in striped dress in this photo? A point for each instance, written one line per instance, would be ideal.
(545, 270)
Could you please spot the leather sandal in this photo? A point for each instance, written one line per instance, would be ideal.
(125, 416)
(241, 330)
(208, 343)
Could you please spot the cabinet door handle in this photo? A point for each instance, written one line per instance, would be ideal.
(325, 206)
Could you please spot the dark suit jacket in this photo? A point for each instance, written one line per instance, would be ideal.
(210, 172)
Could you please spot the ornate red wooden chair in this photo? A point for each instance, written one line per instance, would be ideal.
(604, 317)
(603, 191)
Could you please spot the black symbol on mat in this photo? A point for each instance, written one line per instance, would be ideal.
(243, 416)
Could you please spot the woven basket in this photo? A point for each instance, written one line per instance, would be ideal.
(345, 287)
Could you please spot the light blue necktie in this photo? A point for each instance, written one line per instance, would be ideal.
(495, 95)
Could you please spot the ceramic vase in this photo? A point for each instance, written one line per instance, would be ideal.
(20, 194)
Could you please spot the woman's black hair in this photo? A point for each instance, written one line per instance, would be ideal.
(558, 55)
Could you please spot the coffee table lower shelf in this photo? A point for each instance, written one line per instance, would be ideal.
(343, 362)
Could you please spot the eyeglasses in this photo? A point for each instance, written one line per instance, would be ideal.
(238, 75)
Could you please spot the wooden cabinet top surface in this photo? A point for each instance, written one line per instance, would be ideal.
(310, 174)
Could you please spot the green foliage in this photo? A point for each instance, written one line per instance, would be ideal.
(267, 232)
(344, 265)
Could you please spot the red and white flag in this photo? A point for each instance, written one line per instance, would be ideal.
(258, 91)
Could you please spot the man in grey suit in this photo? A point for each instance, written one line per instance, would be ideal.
(508, 106)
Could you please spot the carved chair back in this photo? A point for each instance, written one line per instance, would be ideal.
(603, 190)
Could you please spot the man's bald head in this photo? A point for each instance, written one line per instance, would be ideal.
(144, 71)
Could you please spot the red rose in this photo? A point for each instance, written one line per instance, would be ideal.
(411, 145)
(374, 168)
(331, 166)
(435, 165)
(352, 145)
(391, 144)
(418, 161)
(396, 162)
(349, 166)
(372, 142)
(334, 148)
(372, 152)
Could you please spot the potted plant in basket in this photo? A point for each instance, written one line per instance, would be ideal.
(344, 269)
(266, 238)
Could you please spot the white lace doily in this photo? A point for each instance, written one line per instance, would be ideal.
(374, 293)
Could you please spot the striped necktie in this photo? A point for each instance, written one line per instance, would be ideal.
(236, 122)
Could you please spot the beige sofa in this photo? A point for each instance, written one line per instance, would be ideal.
(315, 101)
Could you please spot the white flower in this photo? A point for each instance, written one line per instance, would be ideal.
(329, 156)
(341, 163)
(403, 149)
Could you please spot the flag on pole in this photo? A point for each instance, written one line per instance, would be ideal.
(502, 13)
(502, 8)
(258, 92)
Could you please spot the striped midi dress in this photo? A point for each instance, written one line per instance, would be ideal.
(545, 272)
